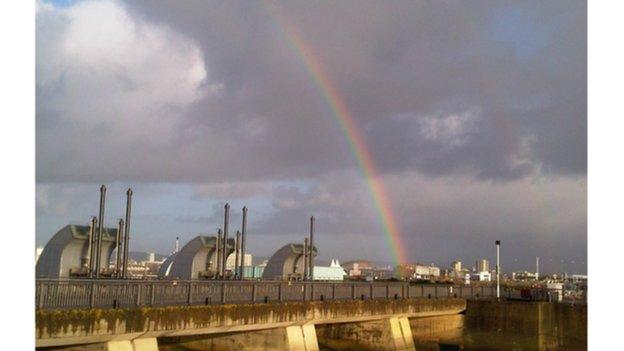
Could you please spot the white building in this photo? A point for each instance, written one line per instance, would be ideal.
(422, 271)
(555, 291)
(333, 272)
(483, 265)
(481, 276)
(152, 257)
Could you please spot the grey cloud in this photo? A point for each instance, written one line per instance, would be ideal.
(267, 121)
(464, 106)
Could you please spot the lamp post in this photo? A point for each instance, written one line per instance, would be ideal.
(497, 269)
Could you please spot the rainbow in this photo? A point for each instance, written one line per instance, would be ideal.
(348, 126)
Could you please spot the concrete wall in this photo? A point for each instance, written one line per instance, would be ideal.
(71, 327)
(533, 325)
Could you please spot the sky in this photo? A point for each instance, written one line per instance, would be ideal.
(474, 114)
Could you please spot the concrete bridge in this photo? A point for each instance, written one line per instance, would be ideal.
(148, 315)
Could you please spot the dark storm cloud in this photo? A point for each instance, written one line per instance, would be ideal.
(259, 116)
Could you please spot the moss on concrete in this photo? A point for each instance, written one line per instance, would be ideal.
(85, 322)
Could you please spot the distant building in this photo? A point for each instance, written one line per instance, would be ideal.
(483, 265)
(333, 272)
(418, 271)
(151, 257)
(481, 276)
(555, 291)
(456, 266)
(523, 275)
(353, 267)
(253, 272)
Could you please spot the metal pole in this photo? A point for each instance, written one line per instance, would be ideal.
(119, 242)
(498, 269)
(243, 238)
(537, 268)
(226, 222)
(305, 259)
(311, 254)
(98, 250)
(126, 248)
(237, 260)
(218, 248)
(92, 226)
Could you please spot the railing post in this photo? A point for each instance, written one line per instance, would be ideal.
(152, 294)
(92, 296)
(353, 291)
(311, 290)
(253, 293)
(422, 290)
(333, 291)
(436, 291)
(371, 291)
(40, 296)
(387, 291)
(223, 292)
(138, 297)
(279, 292)
(305, 291)
(189, 298)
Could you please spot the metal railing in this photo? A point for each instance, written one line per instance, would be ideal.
(74, 293)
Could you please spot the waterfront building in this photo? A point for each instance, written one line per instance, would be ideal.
(418, 271)
(253, 272)
(523, 275)
(354, 267)
(483, 265)
(481, 276)
(333, 272)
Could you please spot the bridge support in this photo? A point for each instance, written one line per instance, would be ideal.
(401, 334)
(143, 344)
(389, 334)
(302, 338)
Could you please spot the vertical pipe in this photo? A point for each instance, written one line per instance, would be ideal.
(92, 226)
(498, 269)
(311, 254)
(226, 222)
(177, 244)
(237, 261)
(243, 239)
(98, 250)
(305, 259)
(119, 242)
(126, 250)
(218, 248)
